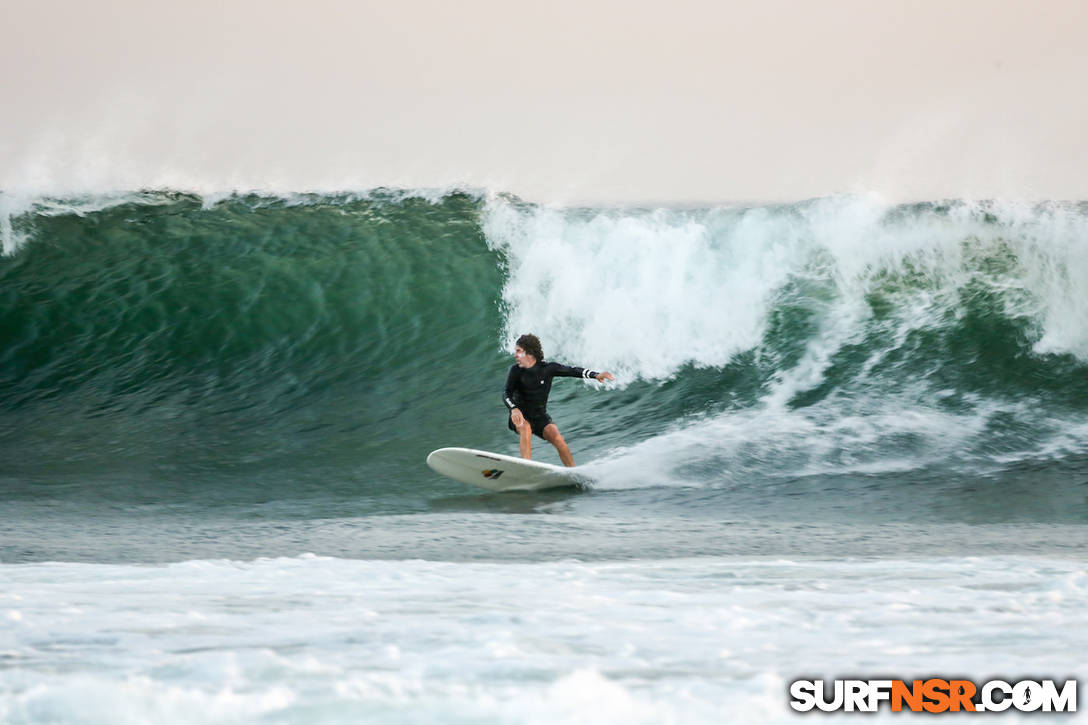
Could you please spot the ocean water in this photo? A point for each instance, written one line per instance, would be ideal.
(847, 438)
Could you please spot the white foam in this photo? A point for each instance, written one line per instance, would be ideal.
(771, 441)
(640, 294)
(644, 293)
(12, 206)
(688, 640)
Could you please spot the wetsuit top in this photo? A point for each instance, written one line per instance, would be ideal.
(527, 388)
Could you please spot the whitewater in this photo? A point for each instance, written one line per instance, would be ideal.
(847, 438)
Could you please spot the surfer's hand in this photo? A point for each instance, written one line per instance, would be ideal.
(516, 417)
(605, 376)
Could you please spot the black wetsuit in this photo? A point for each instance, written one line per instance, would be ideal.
(527, 390)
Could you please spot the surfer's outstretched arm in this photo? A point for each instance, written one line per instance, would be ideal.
(568, 371)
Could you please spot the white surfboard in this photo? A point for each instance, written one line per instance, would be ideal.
(497, 472)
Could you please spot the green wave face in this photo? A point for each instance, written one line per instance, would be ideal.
(327, 343)
(249, 334)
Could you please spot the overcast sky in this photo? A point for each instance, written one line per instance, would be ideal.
(672, 101)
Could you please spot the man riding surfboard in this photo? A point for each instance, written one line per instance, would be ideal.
(527, 387)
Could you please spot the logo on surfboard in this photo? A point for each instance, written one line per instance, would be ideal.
(491, 473)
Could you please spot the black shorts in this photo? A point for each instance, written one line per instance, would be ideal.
(537, 422)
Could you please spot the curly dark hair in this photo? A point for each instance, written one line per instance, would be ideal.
(531, 345)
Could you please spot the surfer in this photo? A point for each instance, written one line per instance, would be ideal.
(527, 388)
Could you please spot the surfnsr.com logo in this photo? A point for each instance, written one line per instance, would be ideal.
(933, 695)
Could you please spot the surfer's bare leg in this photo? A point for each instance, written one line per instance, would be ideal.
(553, 436)
(525, 433)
